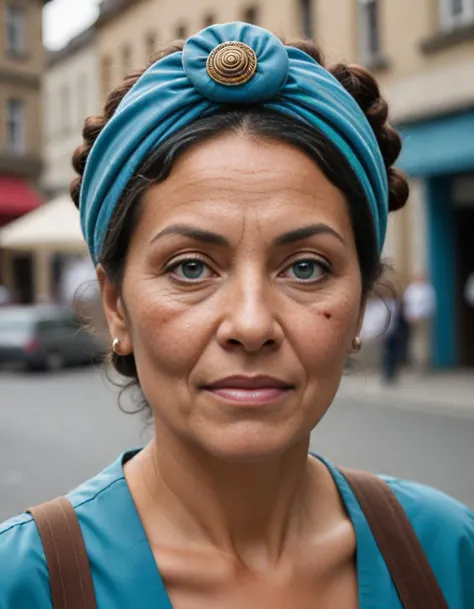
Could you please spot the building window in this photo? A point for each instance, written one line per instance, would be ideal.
(455, 13)
(251, 15)
(369, 29)
(150, 45)
(16, 126)
(209, 20)
(15, 29)
(65, 108)
(306, 10)
(106, 76)
(181, 32)
(126, 60)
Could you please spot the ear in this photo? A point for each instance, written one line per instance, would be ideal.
(115, 312)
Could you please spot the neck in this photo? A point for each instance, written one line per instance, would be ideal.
(236, 507)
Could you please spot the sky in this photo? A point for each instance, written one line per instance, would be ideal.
(63, 19)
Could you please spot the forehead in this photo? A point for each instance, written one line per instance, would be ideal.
(238, 177)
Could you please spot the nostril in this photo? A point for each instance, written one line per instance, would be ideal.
(271, 342)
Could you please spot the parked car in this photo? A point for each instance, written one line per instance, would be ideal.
(45, 338)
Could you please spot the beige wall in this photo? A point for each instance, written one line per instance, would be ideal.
(336, 30)
(418, 225)
(416, 83)
(60, 140)
(405, 25)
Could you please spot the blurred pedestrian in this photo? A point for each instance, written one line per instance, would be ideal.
(395, 341)
(419, 301)
(237, 232)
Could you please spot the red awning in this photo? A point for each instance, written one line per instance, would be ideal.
(17, 197)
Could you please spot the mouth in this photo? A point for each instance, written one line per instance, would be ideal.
(249, 391)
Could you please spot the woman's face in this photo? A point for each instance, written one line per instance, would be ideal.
(241, 297)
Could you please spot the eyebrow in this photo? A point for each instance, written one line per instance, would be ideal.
(197, 234)
(308, 231)
(204, 236)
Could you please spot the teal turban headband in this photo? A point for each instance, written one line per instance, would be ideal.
(237, 64)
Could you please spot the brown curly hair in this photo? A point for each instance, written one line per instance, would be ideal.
(355, 79)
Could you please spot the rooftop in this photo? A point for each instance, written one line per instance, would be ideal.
(108, 9)
(74, 45)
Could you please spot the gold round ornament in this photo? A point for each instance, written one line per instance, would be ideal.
(232, 63)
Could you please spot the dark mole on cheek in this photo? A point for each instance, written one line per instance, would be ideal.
(327, 315)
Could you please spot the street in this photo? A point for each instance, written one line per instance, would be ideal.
(57, 430)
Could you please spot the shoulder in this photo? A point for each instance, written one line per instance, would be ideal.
(427, 507)
(24, 580)
(445, 528)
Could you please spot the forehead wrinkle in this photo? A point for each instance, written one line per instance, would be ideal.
(233, 194)
(224, 173)
(242, 231)
(198, 181)
(230, 185)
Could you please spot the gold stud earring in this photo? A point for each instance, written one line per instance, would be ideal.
(357, 345)
(116, 346)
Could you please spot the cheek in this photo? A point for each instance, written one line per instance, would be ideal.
(168, 335)
(323, 332)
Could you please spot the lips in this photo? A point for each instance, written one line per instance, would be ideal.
(249, 390)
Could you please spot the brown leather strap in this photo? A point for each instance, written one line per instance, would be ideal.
(411, 572)
(69, 570)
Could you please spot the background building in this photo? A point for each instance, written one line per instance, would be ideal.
(429, 79)
(22, 61)
(71, 93)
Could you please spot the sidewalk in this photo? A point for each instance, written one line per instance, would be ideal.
(442, 392)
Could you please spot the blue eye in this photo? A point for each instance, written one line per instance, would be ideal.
(190, 270)
(307, 270)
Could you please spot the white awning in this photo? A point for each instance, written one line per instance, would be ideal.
(52, 227)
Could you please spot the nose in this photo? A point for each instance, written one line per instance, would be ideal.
(250, 319)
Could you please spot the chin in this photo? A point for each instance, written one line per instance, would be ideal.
(251, 442)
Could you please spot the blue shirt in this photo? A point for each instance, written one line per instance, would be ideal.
(126, 576)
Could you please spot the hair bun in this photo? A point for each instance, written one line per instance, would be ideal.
(364, 88)
(399, 191)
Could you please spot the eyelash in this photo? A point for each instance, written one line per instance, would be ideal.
(323, 265)
(177, 263)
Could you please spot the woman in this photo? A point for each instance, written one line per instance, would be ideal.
(234, 198)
